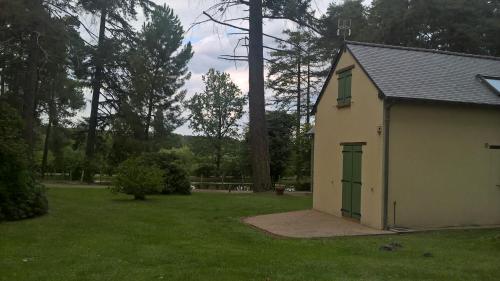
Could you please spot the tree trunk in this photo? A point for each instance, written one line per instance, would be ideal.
(2, 82)
(308, 94)
(46, 147)
(51, 113)
(36, 98)
(218, 155)
(29, 92)
(16, 93)
(218, 145)
(299, 96)
(258, 127)
(298, 159)
(96, 91)
(148, 119)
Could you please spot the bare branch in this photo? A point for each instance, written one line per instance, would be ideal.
(236, 19)
(194, 24)
(299, 22)
(74, 17)
(225, 23)
(270, 48)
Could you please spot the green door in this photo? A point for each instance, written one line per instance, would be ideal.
(351, 181)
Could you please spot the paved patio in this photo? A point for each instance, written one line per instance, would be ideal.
(310, 224)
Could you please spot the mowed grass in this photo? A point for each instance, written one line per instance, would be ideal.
(91, 234)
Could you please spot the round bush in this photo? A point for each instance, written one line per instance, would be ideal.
(136, 177)
(175, 177)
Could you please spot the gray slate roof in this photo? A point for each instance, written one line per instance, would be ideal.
(422, 74)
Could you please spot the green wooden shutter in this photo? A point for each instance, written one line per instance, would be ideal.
(346, 180)
(347, 93)
(356, 182)
(344, 88)
(340, 88)
(351, 180)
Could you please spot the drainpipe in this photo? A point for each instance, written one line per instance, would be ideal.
(312, 163)
(387, 118)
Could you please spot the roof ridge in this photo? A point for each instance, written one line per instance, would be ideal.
(422, 50)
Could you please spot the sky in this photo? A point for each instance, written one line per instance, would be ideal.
(210, 40)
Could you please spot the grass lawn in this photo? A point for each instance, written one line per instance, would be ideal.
(91, 234)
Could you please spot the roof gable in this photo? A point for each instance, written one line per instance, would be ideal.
(336, 60)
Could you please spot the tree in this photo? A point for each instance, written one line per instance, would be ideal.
(421, 23)
(144, 92)
(280, 128)
(432, 24)
(388, 21)
(216, 111)
(329, 41)
(65, 98)
(20, 195)
(294, 76)
(31, 37)
(61, 96)
(158, 69)
(116, 13)
(257, 108)
(294, 10)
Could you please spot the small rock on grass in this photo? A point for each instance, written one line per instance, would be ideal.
(391, 246)
(428, 255)
(386, 248)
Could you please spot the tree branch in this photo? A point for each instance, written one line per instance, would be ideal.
(299, 22)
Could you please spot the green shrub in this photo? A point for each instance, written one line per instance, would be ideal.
(205, 170)
(20, 195)
(182, 156)
(175, 177)
(137, 177)
(176, 180)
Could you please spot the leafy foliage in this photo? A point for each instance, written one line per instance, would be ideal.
(280, 126)
(158, 70)
(294, 66)
(421, 23)
(135, 176)
(20, 195)
(216, 111)
(329, 40)
(175, 176)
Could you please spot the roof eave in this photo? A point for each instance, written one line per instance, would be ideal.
(393, 99)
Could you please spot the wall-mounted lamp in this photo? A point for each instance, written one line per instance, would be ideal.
(379, 130)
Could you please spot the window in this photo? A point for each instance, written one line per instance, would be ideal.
(344, 95)
(495, 165)
(493, 83)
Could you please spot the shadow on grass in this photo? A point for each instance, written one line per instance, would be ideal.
(132, 200)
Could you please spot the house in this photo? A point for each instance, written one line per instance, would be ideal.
(408, 137)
